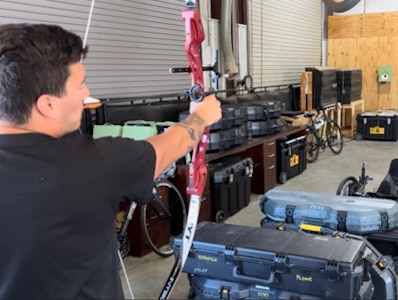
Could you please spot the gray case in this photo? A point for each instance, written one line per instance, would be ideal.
(320, 266)
(344, 213)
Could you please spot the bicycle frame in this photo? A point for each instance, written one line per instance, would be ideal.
(324, 126)
(129, 216)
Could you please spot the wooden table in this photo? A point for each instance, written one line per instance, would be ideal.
(263, 152)
(353, 107)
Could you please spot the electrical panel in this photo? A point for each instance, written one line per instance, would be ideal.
(385, 73)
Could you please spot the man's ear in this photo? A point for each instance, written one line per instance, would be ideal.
(45, 105)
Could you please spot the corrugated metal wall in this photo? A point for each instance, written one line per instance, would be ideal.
(285, 37)
(132, 43)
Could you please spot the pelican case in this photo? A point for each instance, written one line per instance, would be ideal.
(232, 115)
(263, 128)
(226, 139)
(230, 185)
(319, 266)
(291, 158)
(382, 126)
(202, 287)
(262, 110)
(381, 255)
(356, 215)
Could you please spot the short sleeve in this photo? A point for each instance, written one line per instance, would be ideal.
(130, 165)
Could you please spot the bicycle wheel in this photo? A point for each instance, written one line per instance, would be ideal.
(311, 145)
(163, 218)
(348, 186)
(334, 137)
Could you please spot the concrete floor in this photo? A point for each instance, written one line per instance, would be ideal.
(148, 274)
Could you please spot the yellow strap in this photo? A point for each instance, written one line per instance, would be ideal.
(314, 228)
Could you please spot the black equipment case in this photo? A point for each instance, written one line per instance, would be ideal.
(291, 158)
(230, 185)
(208, 288)
(319, 266)
(379, 256)
(349, 85)
(382, 126)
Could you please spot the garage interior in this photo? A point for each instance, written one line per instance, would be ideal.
(279, 61)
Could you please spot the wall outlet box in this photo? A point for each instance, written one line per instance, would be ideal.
(385, 73)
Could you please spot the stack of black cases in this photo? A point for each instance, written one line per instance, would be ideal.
(229, 132)
(382, 126)
(349, 85)
(291, 158)
(230, 185)
(324, 86)
(263, 117)
(239, 262)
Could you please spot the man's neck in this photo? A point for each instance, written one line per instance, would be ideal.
(9, 128)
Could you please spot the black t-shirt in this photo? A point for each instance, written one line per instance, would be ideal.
(58, 200)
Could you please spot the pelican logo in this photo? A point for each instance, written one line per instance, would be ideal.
(303, 278)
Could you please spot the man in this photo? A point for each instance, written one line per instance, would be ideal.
(60, 191)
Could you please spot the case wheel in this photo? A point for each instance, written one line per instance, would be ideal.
(220, 216)
(359, 137)
(283, 177)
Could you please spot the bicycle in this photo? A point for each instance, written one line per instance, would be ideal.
(321, 132)
(166, 209)
(350, 186)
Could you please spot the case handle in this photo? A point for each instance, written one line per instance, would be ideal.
(236, 274)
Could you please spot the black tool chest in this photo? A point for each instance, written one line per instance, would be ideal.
(291, 158)
(382, 126)
(230, 185)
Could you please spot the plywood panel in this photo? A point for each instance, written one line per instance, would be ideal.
(344, 26)
(339, 52)
(377, 45)
(391, 24)
(373, 25)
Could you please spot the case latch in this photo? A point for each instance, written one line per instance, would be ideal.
(280, 262)
(229, 254)
(289, 212)
(341, 220)
(332, 269)
(384, 220)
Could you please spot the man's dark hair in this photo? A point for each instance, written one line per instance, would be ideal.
(34, 60)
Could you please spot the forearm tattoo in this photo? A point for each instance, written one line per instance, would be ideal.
(192, 125)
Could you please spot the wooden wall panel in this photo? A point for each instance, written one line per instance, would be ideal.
(373, 25)
(367, 42)
(345, 26)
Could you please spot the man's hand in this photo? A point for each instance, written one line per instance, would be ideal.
(209, 109)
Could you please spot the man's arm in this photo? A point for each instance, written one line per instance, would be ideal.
(182, 137)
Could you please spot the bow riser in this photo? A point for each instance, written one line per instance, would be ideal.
(194, 36)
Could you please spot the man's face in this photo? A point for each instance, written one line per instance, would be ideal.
(71, 103)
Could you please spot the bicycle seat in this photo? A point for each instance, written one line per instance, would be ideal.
(309, 115)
